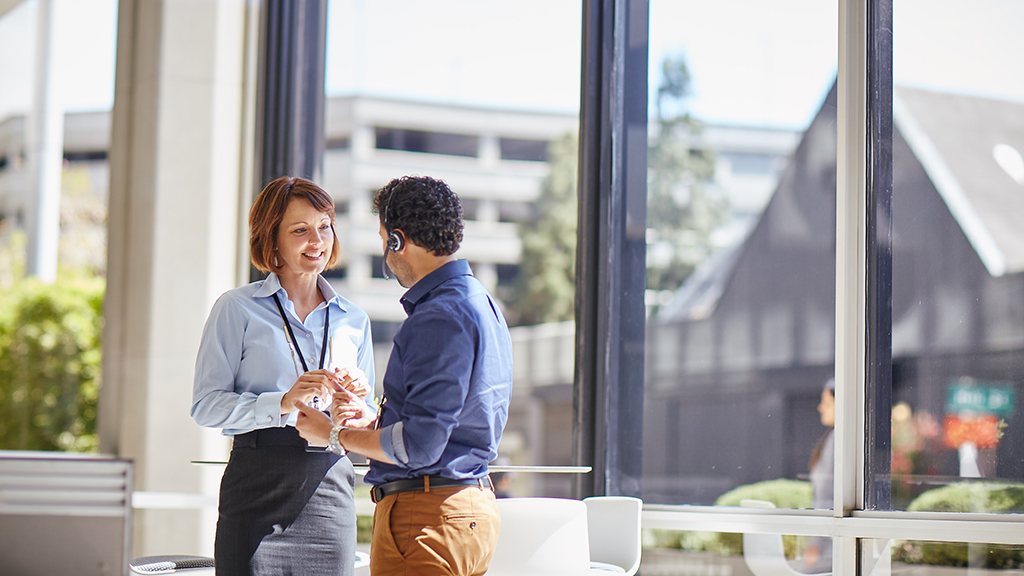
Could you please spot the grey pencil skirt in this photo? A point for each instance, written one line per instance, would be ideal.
(284, 510)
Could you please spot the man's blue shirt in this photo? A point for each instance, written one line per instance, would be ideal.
(448, 381)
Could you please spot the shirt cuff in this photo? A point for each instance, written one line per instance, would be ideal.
(268, 410)
(393, 444)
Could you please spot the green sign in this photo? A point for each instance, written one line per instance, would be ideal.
(980, 398)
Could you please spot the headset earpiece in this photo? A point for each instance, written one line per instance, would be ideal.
(396, 241)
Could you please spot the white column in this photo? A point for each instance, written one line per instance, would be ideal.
(489, 151)
(45, 143)
(176, 162)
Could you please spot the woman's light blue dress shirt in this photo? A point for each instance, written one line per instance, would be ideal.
(245, 365)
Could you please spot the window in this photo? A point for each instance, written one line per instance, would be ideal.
(339, 143)
(848, 183)
(740, 272)
(456, 102)
(430, 142)
(957, 341)
(521, 149)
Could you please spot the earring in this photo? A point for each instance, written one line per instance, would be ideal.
(276, 264)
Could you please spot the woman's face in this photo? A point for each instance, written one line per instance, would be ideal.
(304, 239)
(827, 408)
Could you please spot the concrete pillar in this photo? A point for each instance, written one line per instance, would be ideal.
(178, 174)
(489, 151)
(45, 139)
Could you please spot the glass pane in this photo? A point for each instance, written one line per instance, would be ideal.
(55, 101)
(438, 89)
(740, 252)
(922, 558)
(958, 258)
(685, 553)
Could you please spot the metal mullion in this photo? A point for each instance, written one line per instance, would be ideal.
(611, 248)
(851, 273)
(975, 528)
(878, 299)
(850, 257)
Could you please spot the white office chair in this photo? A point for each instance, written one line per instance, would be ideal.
(613, 523)
(541, 537)
(764, 553)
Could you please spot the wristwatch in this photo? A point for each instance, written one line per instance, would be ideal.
(332, 441)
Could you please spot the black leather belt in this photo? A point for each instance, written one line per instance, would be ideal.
(283, 436)
(377, 493)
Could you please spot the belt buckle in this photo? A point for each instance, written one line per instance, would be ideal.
(375, 494)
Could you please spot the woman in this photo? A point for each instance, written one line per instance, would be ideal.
(284, 507)
(818, 553)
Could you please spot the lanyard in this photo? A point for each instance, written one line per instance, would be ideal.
(288, 326)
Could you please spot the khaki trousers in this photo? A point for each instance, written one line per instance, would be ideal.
(446, 531)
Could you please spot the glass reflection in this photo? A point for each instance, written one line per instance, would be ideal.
(685, 553)
(921, 558)
(958, 271)
(740, 252)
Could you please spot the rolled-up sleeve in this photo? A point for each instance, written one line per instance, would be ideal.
(437, 371)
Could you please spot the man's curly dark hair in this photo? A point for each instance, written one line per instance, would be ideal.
(425, 209)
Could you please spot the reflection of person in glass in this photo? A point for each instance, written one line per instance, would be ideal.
(818, 553)
(283, 509)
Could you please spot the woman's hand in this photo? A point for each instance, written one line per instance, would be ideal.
(312, 384)
(354, 380)
(351, 411)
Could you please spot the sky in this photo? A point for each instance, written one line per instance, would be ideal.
(752, 62)
(83, 58)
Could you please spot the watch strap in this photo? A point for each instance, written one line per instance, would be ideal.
(333, 444)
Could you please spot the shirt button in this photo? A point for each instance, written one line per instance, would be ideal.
(308, 335)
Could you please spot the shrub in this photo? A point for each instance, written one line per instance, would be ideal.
(50, 365)
(783, 493)
(965, 497)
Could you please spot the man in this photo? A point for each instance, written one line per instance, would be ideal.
(446, 393)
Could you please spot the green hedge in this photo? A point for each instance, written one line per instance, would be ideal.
(50, 364)
(783, 493)
(965, 497)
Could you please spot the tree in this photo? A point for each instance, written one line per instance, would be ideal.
(683, 210)
(545, 290)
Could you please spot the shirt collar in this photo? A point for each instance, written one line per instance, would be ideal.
(272, 285)
(445, 272)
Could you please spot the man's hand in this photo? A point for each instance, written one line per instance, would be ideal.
(354, 380)
(350, 410)
(312, 424)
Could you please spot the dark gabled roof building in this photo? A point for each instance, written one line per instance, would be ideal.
(736, 361)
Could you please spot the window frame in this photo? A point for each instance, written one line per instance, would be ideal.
(612, 184)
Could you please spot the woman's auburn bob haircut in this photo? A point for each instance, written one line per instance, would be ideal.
(268, 210)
